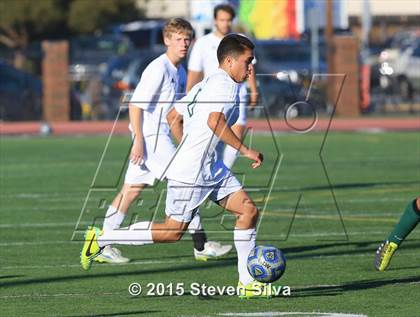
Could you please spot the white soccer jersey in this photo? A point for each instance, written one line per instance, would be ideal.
(203, 57)
(160, 85)
(196, 161)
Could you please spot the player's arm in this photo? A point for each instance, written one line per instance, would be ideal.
(144, 95)
(193, 78)
(217, 123)
(136, 121)
(195, 66)
(175, 121)
(252, 83)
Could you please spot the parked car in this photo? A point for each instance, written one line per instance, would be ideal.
(401, 75)
(146, 34)
(288, 55)
(407, 71)
(89, 53)
(20, 94)
(136, 68)
(121, 75)
(283, 72)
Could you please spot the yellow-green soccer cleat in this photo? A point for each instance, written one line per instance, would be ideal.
(91, 248)
(254, 289)
(384, 255)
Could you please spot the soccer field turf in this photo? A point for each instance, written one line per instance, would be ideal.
(329, 234)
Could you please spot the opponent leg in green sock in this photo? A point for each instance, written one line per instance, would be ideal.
(408, 221)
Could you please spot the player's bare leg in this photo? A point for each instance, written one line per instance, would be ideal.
(240, 204)
(119, 208)
(168, 231)
(203, 249)
(114, 218)
(127, 195)
(145, 232)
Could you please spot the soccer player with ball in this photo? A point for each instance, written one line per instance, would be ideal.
(204, 118)
(162, 82)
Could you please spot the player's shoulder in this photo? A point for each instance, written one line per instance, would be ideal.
(204, 41)
(221, 84)
(221, 78)
(158, 64)
(158, 68)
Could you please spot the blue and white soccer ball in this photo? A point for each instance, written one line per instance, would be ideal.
(266, 263)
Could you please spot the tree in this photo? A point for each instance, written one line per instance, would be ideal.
(89, 16)
(22, 21)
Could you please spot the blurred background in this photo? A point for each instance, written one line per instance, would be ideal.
(77, 59)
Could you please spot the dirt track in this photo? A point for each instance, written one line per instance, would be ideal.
(300, 125)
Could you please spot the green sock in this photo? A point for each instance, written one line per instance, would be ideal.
(408, 221)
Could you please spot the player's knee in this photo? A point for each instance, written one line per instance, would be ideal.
(130, 193)
(250, 216)
(173, 236)
(253, 215)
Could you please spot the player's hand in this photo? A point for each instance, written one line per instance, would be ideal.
(136, 155)
(255, 156)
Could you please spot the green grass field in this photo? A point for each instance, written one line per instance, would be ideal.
(328, 234)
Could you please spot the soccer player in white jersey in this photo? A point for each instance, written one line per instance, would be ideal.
(203, 62)
(196, 172)
(162, 82)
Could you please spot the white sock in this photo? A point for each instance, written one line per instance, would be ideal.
(229, 156)
(195, 223)
(113, 219)
(244, 243)
(137, 234)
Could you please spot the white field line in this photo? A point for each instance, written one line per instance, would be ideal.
(292, 236)
(24, 243)
(40, 225)
(265, 236)
(232, 314)
(42, 195)
(319, 234)
(56, 295)
(41, 208)
(171, 262)
(283, 212)
(146, 262)
(276, 191)
(299, 314)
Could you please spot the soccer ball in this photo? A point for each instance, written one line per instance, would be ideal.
(266, 263)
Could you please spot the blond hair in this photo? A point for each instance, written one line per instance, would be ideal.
(177, 25)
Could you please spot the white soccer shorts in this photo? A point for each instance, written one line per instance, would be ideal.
(138, 174)
(159, 151)
(183, 200)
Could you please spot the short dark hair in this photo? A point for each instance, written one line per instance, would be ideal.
(233, 45)
(224, 7)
